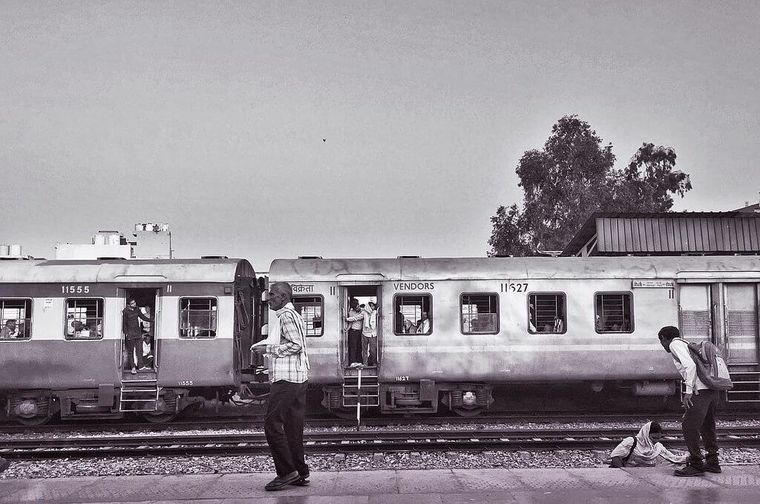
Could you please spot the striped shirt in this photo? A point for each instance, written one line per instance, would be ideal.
(288, 360)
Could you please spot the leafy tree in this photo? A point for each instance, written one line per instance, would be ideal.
(573, 177)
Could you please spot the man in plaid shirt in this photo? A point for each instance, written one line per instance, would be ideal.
(288, 374)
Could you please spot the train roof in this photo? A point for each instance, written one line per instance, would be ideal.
(485, 268)
(121, 270)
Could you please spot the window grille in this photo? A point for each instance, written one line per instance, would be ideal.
(408, 314)
(480, 313)
(84, 319)
(197, 318)
(310, 308)
(614, 313)
(546, 313)
(15, 319)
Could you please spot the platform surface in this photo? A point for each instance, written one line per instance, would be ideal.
(736, 485)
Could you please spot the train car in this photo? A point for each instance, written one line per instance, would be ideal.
(500, 321)
(62, 347)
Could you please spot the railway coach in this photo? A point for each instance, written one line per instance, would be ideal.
(64, 350)
(451, 330)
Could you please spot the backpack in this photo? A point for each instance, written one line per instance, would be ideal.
(711, 367)
(630, 452)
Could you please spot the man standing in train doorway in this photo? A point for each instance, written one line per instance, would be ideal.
(700, 403)
(130, 325)
(288, 374)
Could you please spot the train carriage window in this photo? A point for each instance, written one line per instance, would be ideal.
(84, 319)
(15, 319)
(197, 318)
(546, 313)
(480, 313)
(310, 308)
(413, 314)
(614, 312)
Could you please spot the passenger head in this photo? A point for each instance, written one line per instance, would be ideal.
(424, 316)
(666, 335)
(132, 303)
(354, 303)
(280, 294)
(655, 431)
(10, 324)
(372, 305)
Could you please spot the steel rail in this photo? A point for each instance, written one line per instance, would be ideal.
(331, 421)
(363, 441)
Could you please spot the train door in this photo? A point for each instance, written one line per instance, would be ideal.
(141, 340)
(740, 323)
(358, 302)
(727, 315)
(695, 312)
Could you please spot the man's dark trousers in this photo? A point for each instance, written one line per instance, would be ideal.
(354, 346)
(135, 351)
(283, 426)
(700, 419)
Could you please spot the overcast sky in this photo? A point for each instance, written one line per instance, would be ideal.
(351, 129)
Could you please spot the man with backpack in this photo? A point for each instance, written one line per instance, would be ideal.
(700, 402)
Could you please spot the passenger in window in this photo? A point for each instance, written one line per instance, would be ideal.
(85, 332)
(9, 329)
(130, 326)
(355, 321)
(409, 327)
(423, 327)
(70, 325)
(626, 324)
(559, 324)
(400, 322)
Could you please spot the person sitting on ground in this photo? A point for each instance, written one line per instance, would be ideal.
(644, 448)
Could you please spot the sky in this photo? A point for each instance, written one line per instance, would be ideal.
(271, 130)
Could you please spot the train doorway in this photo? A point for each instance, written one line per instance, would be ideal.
(361, 326)
(726, 314)
(139, 335)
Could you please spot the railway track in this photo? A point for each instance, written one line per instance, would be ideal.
(347, 441)
(331, 421)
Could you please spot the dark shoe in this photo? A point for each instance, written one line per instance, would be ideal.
(689, 471)
(713, 468)
(303, 480)
(281, 482)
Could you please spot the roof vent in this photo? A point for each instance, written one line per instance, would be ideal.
(408, 257)
(214, 257)
(309, 257)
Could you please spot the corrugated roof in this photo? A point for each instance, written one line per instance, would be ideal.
(669, 233)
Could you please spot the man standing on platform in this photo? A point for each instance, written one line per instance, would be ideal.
(699, 401)
(288, 374)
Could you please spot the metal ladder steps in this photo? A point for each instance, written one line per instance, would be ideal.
(367, 395)
(138, 391)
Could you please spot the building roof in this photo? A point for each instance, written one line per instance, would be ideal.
(669, 233)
